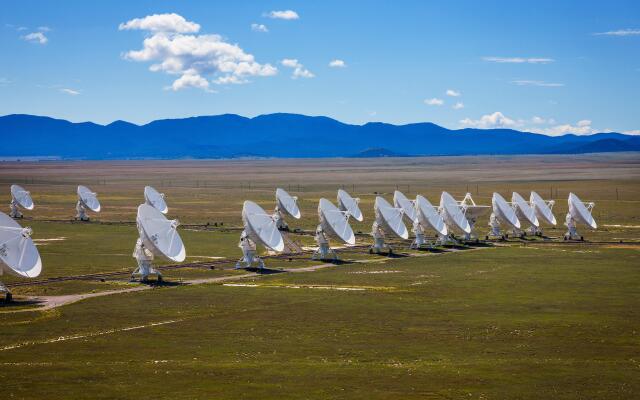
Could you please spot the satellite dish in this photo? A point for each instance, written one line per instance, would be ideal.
(259, 228)
(86, 200)
(427, 218)
(155, 199)
(19, 197)
(388, 221)
(452, 214)
(502, 214)
(472, 212)
(579, 212)
(542, 208)
(333, 222)
(409, 208)
(18, 255)
(348, 203)
(158, 237)
(285, 203)
(524, 211)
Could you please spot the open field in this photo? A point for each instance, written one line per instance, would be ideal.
(521, 319)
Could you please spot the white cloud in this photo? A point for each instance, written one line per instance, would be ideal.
(161, 23)
(453, 93)
(434, 102)
(632, 132)
(536, 83)
(193, 57)
(299, 71)
(488, 121)
(286, 14)
(518, 60)
(458, 106)
(259, 28)
(70, 91)
(44, 29)
(620, 32)
(337, 64)
(582, 127)
(36, 37)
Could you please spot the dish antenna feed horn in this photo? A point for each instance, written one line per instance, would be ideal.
(335, 223)
(158, 236)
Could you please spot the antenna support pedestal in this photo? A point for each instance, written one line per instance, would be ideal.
(494, 225)
(572, 230)
(278, 216)
(145, 268)
(15, 212)
(249, 253)
(379, 245)
(420, 239)
(81, 212)
(323, 252)
(7, 293)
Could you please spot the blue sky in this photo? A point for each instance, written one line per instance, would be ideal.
(544, 66)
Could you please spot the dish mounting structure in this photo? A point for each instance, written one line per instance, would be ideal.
(543, 210)
(158, 236)
(87, 200)
(285, 205)
(351, 204)
(579, 212)
(427, 218)
(525, 213)
(472, 212)
(18, 255)
(259, 228)
(503, 213)
(453, 215)
(20, 197)
(333, 223)
(388, 221)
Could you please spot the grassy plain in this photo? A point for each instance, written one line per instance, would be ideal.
(525, 320)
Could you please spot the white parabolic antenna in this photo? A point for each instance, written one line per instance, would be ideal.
(88, 198)
(580, 213)
(288, 203)
(524, 210)
(261, 226)
(401, 201)
(155, 199)
(428, 216)
(160, 234)
(504, 212)
(348, 203)
(18, 255)
(542, 209)
(390, 218)
(22, 197)
(335, 222)
(452, 214)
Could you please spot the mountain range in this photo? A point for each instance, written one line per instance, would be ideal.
(279, 135)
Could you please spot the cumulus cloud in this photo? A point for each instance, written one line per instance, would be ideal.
(536, 124)
(299, 71)
(36, 37)
(518, 60)
(70, 91)
(337, 63)
(488, 121)
(453, 93)
(458, 106)
(192, 57)
(434, 102)
(536, 83)
(161, 23)
(633, 132)
(286, 14)
(620, 32)
(582, 127)
(259, 28)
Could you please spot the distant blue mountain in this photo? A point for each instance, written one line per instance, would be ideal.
(278, 135)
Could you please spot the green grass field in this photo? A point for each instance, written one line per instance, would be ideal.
(524, 320)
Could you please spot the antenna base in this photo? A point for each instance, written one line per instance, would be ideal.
(7, 293)
(379, 246)
(145, 268)
(15, 212)
(81, 212)
(323, 252)
(572, 229)
(250, 257)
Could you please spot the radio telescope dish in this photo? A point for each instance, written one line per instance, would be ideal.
(524, 211)
(502, 214)
(472, 212)
(333, 222)
(18, 255)
(86, 200)
(155, 199)
(452, 214)
(427, 218)
(158, 237)
(542, 208)
(388, 221)
(259, 228)
(578, 212)
(348, 203)
(285, 203)
(19, 197)
(409, 208)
